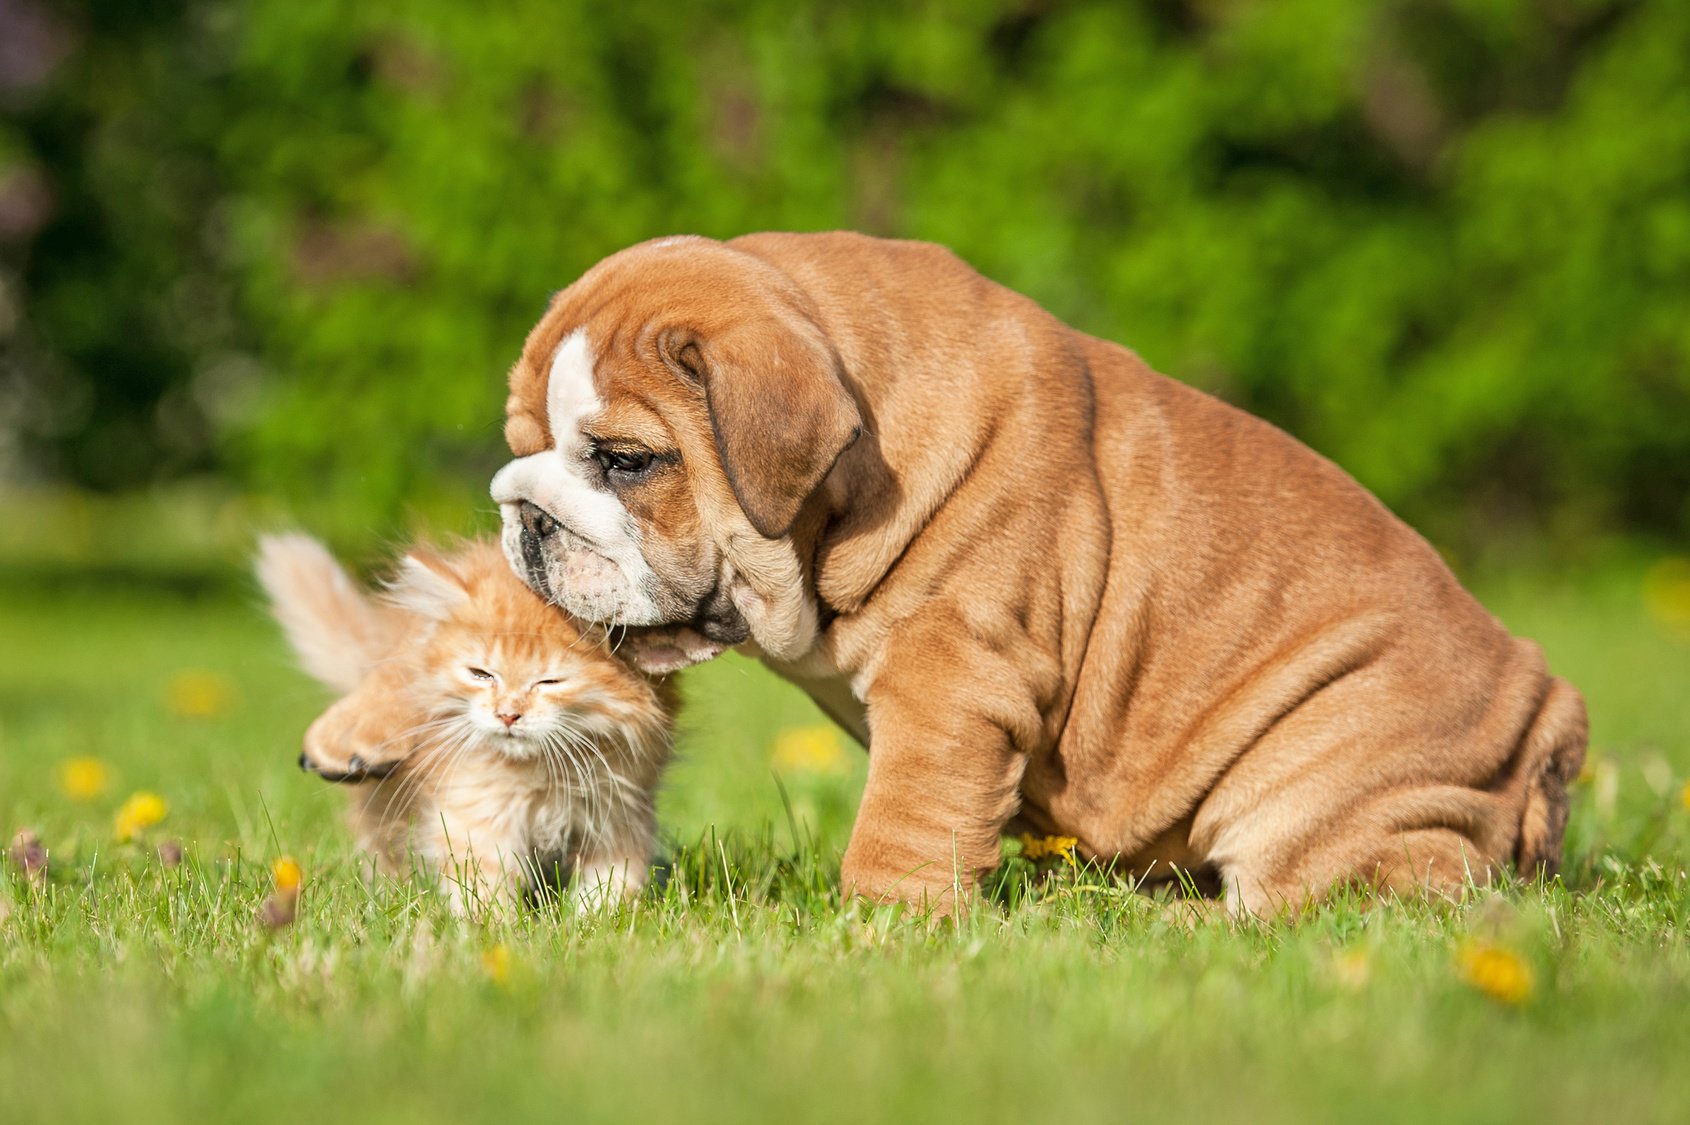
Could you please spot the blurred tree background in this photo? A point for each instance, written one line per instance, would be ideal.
(292, 245)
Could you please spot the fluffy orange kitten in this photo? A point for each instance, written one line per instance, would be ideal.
(485, 733)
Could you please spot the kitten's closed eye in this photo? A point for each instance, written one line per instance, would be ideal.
(480, 674)
(547, 683)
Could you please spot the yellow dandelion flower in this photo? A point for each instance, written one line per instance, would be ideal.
(1499, 973)
(200, 694)
(279, 910)
(816, 749)
(1684, 796)
(1352, 969)
(1048, 847)
(1666, 594)
(83, 779)
(287, 874)
(497, 963)
(140, 812)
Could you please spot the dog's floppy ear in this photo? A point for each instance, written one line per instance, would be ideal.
(779, 410)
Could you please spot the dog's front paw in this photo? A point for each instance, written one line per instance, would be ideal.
(935, 886)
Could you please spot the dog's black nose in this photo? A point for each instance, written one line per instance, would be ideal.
(536, 520)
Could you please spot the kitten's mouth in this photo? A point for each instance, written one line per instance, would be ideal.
(356, 770)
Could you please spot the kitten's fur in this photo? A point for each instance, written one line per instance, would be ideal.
(434, 673)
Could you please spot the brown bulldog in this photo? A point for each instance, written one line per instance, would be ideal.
(1042, 583)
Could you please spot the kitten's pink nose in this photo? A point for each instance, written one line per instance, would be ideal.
(509, 718)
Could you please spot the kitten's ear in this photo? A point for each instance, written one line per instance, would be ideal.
(426, 585)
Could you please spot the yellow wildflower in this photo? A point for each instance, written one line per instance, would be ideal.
(1352, 968)
(140, 812)
(497, 962)
(1684, 796)
(277, 912)
(83, 779)
(1499, 973)
(199, 694)
(1048, 847)
(815, 749)
(287, 874)
(1666, 594)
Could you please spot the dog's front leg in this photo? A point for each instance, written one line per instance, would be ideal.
(949, 724)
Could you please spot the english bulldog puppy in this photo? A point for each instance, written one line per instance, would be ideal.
(1046, 587)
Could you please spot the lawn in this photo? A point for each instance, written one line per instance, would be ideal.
(132, 991)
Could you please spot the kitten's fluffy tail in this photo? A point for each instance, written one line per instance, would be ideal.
(338, 631)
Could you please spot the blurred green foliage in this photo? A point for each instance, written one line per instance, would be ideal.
(1446, 242)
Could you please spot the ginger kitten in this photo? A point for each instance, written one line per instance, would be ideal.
(484, 733)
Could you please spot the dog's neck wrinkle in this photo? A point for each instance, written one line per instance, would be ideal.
(826, 612)
(879, 514)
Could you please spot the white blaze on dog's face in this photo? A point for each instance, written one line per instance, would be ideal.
(596, 571)
(672, 413)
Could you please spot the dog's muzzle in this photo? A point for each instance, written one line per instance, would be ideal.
(536, 521)
(538, 534)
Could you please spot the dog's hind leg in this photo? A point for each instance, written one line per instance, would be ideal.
(1434, 862)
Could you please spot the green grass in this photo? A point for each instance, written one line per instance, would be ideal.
(133, 992)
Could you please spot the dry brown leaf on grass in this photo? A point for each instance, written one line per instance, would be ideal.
(29, 855)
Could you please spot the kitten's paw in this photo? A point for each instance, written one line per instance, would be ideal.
(355, 739)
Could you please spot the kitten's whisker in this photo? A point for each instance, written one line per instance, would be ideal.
(447, 760)
(594, 800)
(413, 733)
(437, 755)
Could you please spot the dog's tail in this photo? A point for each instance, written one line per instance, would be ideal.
(338, 631)
(1555, 746)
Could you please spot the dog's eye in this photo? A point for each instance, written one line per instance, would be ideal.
(479, 674)
(627, 461)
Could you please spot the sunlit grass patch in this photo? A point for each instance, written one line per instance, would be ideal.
(142, 981)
